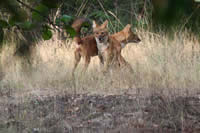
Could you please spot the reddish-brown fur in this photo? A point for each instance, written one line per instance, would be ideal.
(87, 47)
(108, 47)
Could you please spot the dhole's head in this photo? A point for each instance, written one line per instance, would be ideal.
(100, 32)
(130, 36)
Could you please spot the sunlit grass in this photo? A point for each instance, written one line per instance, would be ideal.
(158, 63)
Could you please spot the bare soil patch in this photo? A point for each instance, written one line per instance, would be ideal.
(88, 113)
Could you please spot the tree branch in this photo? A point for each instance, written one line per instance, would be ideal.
(44, 16)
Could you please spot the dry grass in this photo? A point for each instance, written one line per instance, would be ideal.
(164, 88)
(158, 62)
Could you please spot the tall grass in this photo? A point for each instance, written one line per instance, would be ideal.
(159, 62)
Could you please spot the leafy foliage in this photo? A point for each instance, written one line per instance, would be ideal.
(3, 24)
(70, 30)
(1, 35)
(66, 18)
(46, 34)
(35, 14)
(51, 3)
(18, 16)
(173, 12)
(26, 25)
(41, 11)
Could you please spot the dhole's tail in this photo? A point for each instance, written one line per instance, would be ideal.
(77, 25)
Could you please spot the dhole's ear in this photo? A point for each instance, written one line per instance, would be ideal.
(105, 24)
(94, 24)
(127, 27)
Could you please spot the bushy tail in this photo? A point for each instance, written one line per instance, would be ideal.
(77, 25)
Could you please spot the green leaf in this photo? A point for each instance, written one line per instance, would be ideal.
(97, 14)
(86, 24)
(26, 25)
(21, 16)
(70, 30)
(12, 21)
(46, 33)
(66, 19)
(37, 16)
(58, 21)
(1, 35)
(3, 24)
(43, 11)
(47, 27)
(51, 3)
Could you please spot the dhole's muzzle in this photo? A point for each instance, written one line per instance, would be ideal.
(135, 40)
(101, 36)
(100, 32)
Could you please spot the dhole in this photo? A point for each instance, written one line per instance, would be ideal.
(126, 36)
(109, 48)
(87, 47)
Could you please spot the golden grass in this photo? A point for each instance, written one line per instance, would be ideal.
(160, 63)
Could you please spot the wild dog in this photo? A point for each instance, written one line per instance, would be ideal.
(87, 47)
(108, 47)
(126, 36)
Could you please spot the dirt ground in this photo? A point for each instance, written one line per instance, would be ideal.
(86, 113)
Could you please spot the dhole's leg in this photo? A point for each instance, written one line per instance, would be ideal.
(116, 65)
(123, 62)
(108, 61)
(76, 62)
(113, 64)
(101, 61)
(115, 61)
(87, 62)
